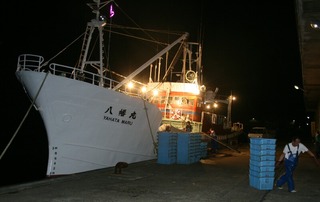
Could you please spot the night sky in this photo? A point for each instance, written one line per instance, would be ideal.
(250, 48)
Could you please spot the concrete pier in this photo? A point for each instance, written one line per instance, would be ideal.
(220, 177)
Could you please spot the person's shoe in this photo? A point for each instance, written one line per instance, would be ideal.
(293, 191)
(280, 187)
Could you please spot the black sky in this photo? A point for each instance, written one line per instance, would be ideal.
(250, 48)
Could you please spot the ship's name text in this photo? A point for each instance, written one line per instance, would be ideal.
(122, 113)
(117, 120)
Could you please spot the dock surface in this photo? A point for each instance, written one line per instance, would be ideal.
(220, 177)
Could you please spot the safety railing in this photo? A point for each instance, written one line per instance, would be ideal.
(30, 62)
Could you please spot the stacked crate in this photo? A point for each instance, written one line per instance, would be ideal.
(188, 149)
(203, 150)
(167, 148)
(262, 163)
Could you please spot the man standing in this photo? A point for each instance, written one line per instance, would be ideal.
(290, 156)
(189, 127)
(214, 143)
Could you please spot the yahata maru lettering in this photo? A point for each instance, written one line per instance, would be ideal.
(111, 119)
(122, 113)
(127, 122)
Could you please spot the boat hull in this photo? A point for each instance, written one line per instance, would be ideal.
(90, 127)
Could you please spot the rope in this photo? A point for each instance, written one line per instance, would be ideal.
(63, 50)
(25, 116)
(32, 103)
(153, 141)
(222, 143)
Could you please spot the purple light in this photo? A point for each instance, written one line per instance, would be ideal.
(111, 11)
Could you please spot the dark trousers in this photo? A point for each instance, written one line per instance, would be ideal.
(214, 145)
(288, 176)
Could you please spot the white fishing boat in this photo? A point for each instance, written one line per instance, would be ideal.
(92, 120)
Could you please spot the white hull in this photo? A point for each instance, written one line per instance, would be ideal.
(82, 133)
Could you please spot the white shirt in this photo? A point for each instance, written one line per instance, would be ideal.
(302, 148)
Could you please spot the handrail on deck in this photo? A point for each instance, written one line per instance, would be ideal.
(32, 62)
(29, 61)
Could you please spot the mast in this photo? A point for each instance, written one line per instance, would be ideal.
(98, 23)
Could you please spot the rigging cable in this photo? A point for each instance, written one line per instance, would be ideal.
(25, 116)
(155, 146)
(34, 100)
(62, 50)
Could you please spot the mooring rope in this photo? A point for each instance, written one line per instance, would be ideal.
(32, 103)
(222, 143)
(153, 141)
(25, 116)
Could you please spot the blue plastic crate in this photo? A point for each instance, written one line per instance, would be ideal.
(262, 158)
(263, 146)
(262, 174)
(262, 152)
(188, 148)
(262, 163)
(262, 141)
(165, 141)
(261, 183)
(262, 168)
(162, 148)
(204, 144)
(168, 152)
(162, 159)
(167, 135)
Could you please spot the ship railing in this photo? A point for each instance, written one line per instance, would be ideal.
(82, 75)
(196, 126)
(90, 77)
(30, 62)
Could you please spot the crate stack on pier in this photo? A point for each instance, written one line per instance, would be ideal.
(167, 148)
(203, 150)
(262, 163)
(188, 149)
(181, 148)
